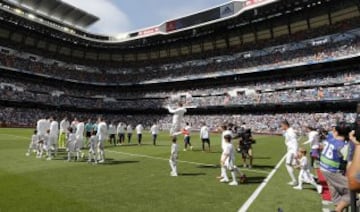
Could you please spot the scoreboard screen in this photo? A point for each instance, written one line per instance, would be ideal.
(200, 18)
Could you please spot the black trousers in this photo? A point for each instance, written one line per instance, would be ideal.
(139, 138)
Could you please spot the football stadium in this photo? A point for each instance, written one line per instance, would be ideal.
(247, 105)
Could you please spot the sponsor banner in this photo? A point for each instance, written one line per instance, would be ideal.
(171, 26)
(250, 3)
(227, 10)
(149, 31)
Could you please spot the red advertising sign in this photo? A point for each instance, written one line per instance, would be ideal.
(149, 31)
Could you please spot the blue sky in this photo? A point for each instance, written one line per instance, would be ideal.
(119, 16)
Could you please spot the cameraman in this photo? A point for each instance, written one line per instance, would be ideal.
(245, 145)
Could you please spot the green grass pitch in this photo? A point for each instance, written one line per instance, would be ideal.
(136, 178)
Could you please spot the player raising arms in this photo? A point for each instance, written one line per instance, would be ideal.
(178, 117)
(292, 148)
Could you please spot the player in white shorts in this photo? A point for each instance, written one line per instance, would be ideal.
(173, 158)
(79, 134)
(228, 161)
(71, 144)
(304, 174)
(102, 134)
(33, 144)
(53, 138)
(42, 126)
(224, 132)
(178, 117)
(292, 148)
(93, 150)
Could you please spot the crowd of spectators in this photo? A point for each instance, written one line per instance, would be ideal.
(259, 123)
(320, 87)
(310, 51)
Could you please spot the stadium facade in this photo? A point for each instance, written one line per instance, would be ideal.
(242, 57)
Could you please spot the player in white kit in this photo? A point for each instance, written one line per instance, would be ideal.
(173, 158)
(292, 148)
(224, 131)
(53, 138)
(228, 161)
(304, 174)
(71, 143)
(42, 126)
(93, 150)
(178, 117)
(79, 134)
(102, 134)
(33, 143)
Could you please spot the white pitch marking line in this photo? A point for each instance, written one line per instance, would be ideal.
(256, 193)
(181, 161)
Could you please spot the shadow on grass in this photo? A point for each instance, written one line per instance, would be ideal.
(263, 166)
(254, 180)
(191, 174)
(208, 166)
(118, 162)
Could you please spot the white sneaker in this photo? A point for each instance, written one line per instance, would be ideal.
(184, 150)
(292, 183)
(297, 188)
(233, 183)
(191, 148)
(27, 154)
(102, 161)
(224, 180)
(173, 174)
(319, 189)
(250, 166)
(49, 158)
(245, 166)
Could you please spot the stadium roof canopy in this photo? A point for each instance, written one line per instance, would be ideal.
(59, 10)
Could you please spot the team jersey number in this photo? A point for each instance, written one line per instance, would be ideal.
(328, 150)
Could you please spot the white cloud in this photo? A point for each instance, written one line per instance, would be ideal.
(112, 19)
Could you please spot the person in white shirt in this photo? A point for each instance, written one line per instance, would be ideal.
(224, 132)
(80, 129)
(177, 119)
(121, 132)
(291, 143)
(228, 161)
(33, 143)
(205, 136)
(93, 148)
(71, 144)
(173, 158)
(154, 130)
(129, 131)
(53, 138)
(74, 123)
(187, 138)
(314, 141)
(112, 133)
(42, 126)
(102, 134)
(64, 126)
(139, 129)
(304, 174)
